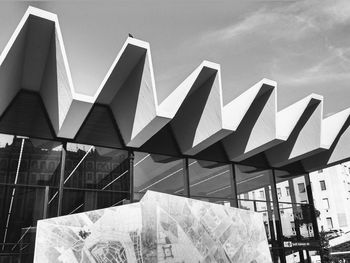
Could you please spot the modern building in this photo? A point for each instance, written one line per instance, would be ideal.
(331, 190)
(331, 186)
(63, 152)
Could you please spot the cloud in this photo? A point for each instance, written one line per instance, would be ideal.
(249, 24)
(332, 13)
(315, 79)
(277, 23)
(337, 58)
(303, 45)
(289, 21)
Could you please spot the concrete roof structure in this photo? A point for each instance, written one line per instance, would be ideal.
(38, 98)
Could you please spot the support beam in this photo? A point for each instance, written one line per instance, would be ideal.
(62, 174)
(131, 157)
(46, 201)
(234, 197)
(295, 211)
(312, 206)
(186, 177)
(277, 214)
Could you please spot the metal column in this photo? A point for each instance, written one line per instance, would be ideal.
(186, 176)
(234, 201)
(295, 211)
(313, 211)
(131, 175)
(276, 211)
(271, 223)
(62, 172)
(46, 201)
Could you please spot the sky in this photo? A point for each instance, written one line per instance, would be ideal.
(303, 45)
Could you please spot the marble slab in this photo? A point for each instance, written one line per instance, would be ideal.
(160, 228)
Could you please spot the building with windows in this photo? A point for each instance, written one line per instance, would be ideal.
(331, 186)
(63, 152)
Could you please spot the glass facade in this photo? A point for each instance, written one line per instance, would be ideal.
(289, 218)
(94, 178)
(158, 173)
(209, 179)
(41, 179)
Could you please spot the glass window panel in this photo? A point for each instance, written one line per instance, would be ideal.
(287, 220)
(283, 185)
(209, 179)
(252, 182)
(266, 209)
(27, 166)
(40, 162)
(325, 203)
(20, 218)
(52, 206)
(216, 200)
(82, 200)
(303, 220)
(98, 168)
(279, 192)
(254, 189)
(246, 204)
(300, 189)
(158, 173)
(329, 223)
(262, 194)
(95, 178)
(294, 210)
(29, 161)
(287, 191)
(293, 187)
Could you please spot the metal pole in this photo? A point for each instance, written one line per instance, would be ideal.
(295, 216)
(62, 172)
(277, 216)
(312, 206)
(313, 211)
(46, 201)
(271, 223)
(186, 176)
(131, 175)
(234, 202)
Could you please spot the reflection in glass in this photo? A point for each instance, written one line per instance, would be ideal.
(39, 165)
(252, 183)
(19, 214)
(95, 177)
(96, 168)
(293, 204)
(209, 179)
(157, 172)
(82, 200)
(254, 189)
(26, 166)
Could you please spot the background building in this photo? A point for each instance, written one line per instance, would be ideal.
(331, 189)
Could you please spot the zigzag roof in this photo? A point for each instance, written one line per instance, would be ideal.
(192, 116)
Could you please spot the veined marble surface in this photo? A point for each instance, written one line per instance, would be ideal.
(160, 228)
